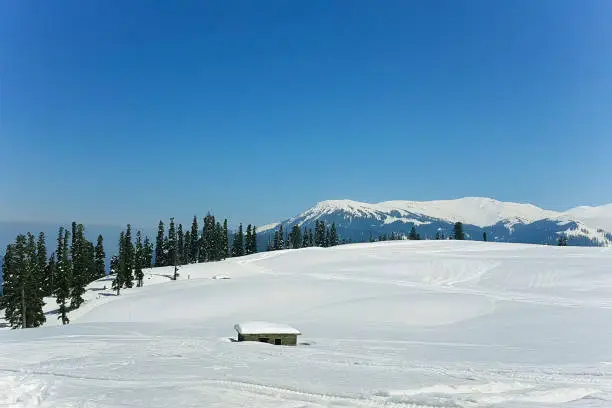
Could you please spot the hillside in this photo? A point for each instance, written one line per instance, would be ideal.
(394, 324)
(502, 221)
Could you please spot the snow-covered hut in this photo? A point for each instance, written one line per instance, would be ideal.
(266, 332)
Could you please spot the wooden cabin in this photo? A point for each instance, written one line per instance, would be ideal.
(266, 332)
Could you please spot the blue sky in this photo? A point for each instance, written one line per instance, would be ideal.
(116, 112)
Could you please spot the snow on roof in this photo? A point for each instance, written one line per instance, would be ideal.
(265, 328)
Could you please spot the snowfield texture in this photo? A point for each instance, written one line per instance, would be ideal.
(392, 324)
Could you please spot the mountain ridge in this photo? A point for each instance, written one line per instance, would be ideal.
(584, 225)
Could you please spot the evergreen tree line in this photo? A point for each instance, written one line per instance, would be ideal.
(133, 257)
(305, 237)
(458, 234)
(30, 275)
(209, 244)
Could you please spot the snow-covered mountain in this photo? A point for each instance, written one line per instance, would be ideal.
(502, 221)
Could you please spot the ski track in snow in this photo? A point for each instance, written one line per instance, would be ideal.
(408, 324)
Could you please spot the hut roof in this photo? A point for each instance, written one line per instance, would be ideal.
(265, 328)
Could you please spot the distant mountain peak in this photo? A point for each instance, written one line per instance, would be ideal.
(480, 211)
(502, 220)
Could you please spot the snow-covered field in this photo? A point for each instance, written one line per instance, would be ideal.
(397, 324)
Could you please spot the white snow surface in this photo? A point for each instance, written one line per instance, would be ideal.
(593, 217)
(393, 324)
(265, 327)
(479, 211)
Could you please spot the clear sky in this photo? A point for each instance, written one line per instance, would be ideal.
(134, 111)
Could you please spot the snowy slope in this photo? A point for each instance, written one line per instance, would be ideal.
(395, 324)
(594, 217)
(502, 221)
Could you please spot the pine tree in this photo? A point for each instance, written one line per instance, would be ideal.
(484, 236)
(78, 251)
(202, 245)
(159, 246)
(187, 248)
(128, 264)
(41, 255)
(214, 240)
(12, 274)
(220, 255)
(254, 240)
(12, 267)
(35, 270)
(148, 254)
(209, 245)
(238, 244)
(63, 276)
(23, 294)
(333, 235)
(327, 238)
(247, 246)
(319, 234)
(180, 242)
(51, 273)
(114, 265)
(194, 251)
(165, 248)
(139, 259)
(276, 244)
(172, 244)
(413, 233)
(305, 238)
(119, 266)
(295, 237)
(281, 237)
(90, 258)
(5, 274)
(458, 229)
(225, 239)
(100, 256)
(437, 235)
